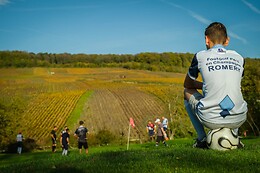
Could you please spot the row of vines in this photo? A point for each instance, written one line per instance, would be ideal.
(111, 109)
(48, 97)
(46, 111)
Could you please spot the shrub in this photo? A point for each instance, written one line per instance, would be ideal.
(105, 137)
(28, 145)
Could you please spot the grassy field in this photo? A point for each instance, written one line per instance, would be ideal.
(179, 156)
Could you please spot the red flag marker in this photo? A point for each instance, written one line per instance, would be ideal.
(132, 122)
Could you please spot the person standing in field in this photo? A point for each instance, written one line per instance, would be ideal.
(53, 139)
(165, 124)
(160, 133)
(64, 140)
(64, 130)
(19, 139)
(81, 135)
(150, 128)
(221, 103)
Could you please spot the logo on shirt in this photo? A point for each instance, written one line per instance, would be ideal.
(223, 63)
(221, 50)
(226, 105)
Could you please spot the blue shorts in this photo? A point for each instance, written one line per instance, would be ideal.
(151, 132)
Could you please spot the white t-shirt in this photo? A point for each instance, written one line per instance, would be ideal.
(165, 122)
(221, 71)
(19, 138)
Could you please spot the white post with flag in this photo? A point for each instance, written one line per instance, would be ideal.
(131, 123)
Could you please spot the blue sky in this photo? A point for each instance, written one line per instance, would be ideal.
(126, 26)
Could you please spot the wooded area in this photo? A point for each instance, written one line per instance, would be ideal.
(170, 62)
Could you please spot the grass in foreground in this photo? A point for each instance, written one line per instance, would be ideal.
(178, 157)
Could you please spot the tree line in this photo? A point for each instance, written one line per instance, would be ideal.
(168, 61)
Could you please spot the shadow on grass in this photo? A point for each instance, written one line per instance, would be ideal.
(178, 157)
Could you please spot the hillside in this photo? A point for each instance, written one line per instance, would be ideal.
(45, 97)
(178, 157)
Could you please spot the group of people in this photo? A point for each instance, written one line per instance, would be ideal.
(80, 134)
(160, 129)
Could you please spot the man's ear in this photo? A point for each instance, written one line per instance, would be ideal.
(207, 41)
(227, 41)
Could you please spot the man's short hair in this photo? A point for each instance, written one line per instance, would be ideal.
(81, 122)
(216, 32)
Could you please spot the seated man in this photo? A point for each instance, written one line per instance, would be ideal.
(221, 103)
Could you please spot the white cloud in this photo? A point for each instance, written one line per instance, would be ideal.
(233, 35)
(4, 2)
(191, 13)
(251, 6)
(204, 20)
(200, 18)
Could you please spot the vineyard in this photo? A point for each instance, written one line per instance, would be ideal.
(48, 96)
(46, 111)
(111, 109)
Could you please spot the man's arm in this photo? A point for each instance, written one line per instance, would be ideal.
(76, 134)
(192, 84)
(193, 73)
(61, 141)
(163, 132)
(52, 136)
(68, 140)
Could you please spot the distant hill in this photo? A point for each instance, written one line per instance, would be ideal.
(53, 91)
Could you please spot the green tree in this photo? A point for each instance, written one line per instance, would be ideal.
(250, 89)
(9, 114)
